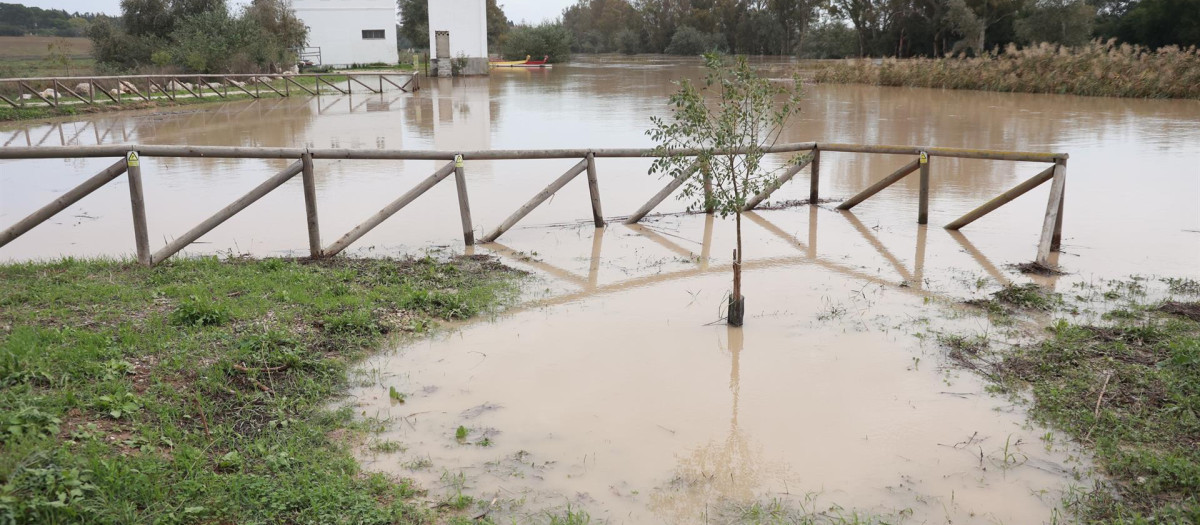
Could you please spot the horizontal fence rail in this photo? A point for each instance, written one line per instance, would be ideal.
(56, 91)
(304, 164)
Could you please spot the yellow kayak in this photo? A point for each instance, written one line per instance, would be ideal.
(508, 63)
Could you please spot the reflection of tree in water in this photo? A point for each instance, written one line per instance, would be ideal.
(719, 472)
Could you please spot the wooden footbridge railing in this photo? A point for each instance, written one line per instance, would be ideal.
(55, 91)
(304, 165)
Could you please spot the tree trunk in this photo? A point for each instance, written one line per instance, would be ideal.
(737, 303)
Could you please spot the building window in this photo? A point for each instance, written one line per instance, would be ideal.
(373, 34)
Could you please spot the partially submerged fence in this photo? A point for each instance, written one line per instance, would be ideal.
(129, 164)
(55, 91)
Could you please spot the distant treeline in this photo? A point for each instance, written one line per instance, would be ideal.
(842, 28)
(200, 36)
(20, 20)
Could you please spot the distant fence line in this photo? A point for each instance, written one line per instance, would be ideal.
(134, 88)
(130, 155)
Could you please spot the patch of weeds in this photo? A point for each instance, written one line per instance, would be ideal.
(457, 482)
(1182, 286)
(386, 446)
(460, 434)
(831, 310)
(570, 516)
(356, 322)
(967, 351)
(1028, 296)
(1037, 268)
(199, 311)
(28, 421)
(117, 406)
(395, 395)
(419, 464)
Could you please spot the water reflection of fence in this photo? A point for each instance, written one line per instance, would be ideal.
(304, 164)
(144, 88)
(911, 280)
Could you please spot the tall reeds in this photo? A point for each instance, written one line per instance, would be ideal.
(1104, 69)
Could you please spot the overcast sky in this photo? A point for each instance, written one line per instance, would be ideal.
(532, 11)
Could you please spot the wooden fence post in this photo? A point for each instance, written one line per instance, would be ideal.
(141, 235)
(594, 189)
(308, 176)
(464, 204)
(923, 207)
(814, 181)
(1056, 241)
(1045, 246)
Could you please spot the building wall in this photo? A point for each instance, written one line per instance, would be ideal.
(466, 20)
(336, 27)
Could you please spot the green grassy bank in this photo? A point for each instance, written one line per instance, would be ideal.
(1098, 69)
(198, 391)
(1126, 387)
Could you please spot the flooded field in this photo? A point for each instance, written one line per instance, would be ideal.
(609, 390)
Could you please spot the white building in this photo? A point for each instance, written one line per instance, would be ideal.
(350, 31)
(457, 30)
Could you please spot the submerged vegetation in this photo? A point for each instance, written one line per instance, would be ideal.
(197, 391)
(1127, 387)
(1097, 69)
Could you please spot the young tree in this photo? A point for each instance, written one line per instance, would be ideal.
(729, 120)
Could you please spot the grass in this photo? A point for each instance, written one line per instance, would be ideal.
(1028, 296)
(26, 56)
(198, 391)
(1128, 389)
(1096, 69)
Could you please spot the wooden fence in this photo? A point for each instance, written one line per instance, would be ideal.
(56, 91)
(130, 155)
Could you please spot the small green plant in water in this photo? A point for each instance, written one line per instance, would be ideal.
(461, 434)
(395, 395)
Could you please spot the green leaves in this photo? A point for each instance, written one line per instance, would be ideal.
(28, 421)
(724, 126)
(199, 311)
(118, 406)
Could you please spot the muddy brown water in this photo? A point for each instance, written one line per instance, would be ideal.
(608, 390)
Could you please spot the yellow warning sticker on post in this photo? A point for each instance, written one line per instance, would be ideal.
(458, 163)
(131, 159)
(924, 158)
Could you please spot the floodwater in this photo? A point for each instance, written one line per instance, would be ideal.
(609, 390)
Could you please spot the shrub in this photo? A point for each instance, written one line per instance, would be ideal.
(628, 41)
(550, 40)
(691, 41)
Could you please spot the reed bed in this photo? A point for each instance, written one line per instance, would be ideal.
(1104, 69)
